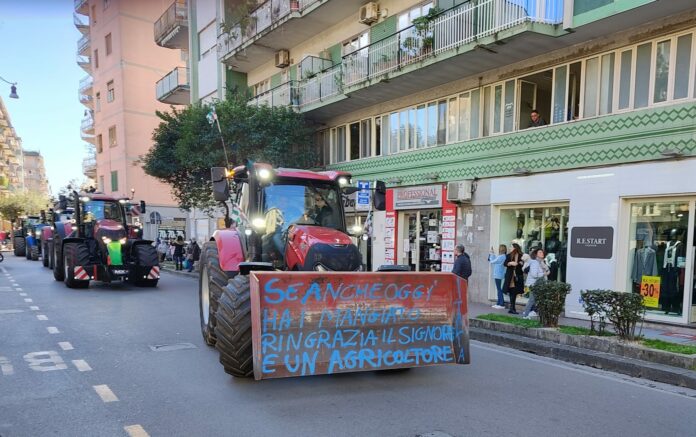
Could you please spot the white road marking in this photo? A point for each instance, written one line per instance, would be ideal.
(28, 300)
(41, 317)
(82, 365)
(35, 363)
(19, 289)
(33, 308)
(22, 294)
(10, 311)
(53, 330)
(5, 367)
(136, 431)
(66, 346)
(105, 393)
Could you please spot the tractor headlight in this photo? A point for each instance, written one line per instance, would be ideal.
(343, 181)
(38, 233)
(123, 240)
(85, 199)
(320, 268)
(259, 223)
(106, 240)
(264, 174)
(248, 232)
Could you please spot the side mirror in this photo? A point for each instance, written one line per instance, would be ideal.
(349, 190)
(142, 207)
(221, 189)
(379, 199)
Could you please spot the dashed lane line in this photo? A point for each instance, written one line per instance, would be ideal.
(6, 367)
(66, 346)
(105, 393)
(52, 330)
(82, 365)
(28, 300)
(23, 294)
(136, 431)
(19, 289)
(34, 308)
(11, 311)
(41, 317)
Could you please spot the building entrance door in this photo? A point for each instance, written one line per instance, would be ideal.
(423, 230)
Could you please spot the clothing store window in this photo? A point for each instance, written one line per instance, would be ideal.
(658, 245)
(542, 226)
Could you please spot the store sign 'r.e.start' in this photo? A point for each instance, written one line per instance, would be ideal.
(592, 242)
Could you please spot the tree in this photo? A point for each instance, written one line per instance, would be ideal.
(18, 204)
(186, 146)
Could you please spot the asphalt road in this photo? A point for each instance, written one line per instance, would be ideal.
(81, 362)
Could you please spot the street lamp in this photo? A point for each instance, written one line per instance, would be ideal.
(13, 88)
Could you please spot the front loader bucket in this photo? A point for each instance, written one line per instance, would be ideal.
(334, 322)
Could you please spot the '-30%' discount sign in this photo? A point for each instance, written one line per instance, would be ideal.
(650, 289)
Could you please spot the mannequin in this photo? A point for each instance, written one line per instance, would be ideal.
(644, 262)
(670, 287)
(533, 242)
(519, 240)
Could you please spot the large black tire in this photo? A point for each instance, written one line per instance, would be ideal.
(70, 256)
(44, 254)
(34, 253)
(58, 272)
(233, 329)
(145, 256)
(20, 246)
(51, 256)
(211, 283)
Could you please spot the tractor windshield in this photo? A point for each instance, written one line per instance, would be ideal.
(100, 210)
(308, 203)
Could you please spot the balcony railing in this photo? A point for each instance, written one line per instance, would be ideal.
(85, 62)
(260, 19)
(86, 99)
(83, 45)
(175, 79)
(81, 22)
(175, 15)
(325, 84)
(82, 6)
(282, 95)
(86, 83)
(87, 124)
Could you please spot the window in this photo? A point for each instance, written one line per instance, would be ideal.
(338, 144)
(96, 58)
(366, 138)
(360, 41)
(406, 18)
(107, 41)
(661, 71)
(100, 144)
(112, 136)
(106, 4)
(93, 15)
(262, 87)
(97, 104)
(354, 130)
(110, 94)
(642, 85)
(114, 181)
(681, 69)
(101, 179)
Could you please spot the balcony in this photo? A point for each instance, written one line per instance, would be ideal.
(89, 166)
(83, 45)
(322, 87)
(279, 24)
(81, 23)
(87, 100)
(82, 7)
(171, 29)
(86, 84)
(87, 125)
(282, 95)
(466, 40)
(85, 62)
(174, 87)
(90, 138)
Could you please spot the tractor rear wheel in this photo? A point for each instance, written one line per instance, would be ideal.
(69, 260)
(211, 283)
(20, 246)
(34, 252)
(44, 254)
(58, 272)
(233, 329)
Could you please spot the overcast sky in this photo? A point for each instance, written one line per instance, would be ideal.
(39, 46)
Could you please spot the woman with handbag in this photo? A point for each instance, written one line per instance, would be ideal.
(514, 278)
(538, 270)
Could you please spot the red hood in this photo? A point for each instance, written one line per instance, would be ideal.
(109, 228)
(311, 235)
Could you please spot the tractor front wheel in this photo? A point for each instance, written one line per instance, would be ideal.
(69, 261)
(34, 252)
(233, 329)
(211, 283)
(44, 254)
(20, 246)
(58, 272)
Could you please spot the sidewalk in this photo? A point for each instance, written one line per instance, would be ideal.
(168, 266)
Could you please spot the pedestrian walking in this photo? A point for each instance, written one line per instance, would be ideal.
(538, 270)
(179, 253)
(162, 248)
(194, 254)
(514, 278)
(462, 263)
(498, 264)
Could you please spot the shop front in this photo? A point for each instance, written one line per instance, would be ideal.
(420, 228)
(608, 228)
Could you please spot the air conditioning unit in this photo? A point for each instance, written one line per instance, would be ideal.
(459, 191)
(282, 58)
(369, 13)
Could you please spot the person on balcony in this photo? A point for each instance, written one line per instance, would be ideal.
(535, 119)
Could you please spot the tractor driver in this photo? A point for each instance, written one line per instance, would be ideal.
(322, 214)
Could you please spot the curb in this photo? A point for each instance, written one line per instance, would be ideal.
(600, 360)
(193, 274)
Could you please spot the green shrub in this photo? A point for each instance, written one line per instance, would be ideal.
(623, 310)
(550, 300)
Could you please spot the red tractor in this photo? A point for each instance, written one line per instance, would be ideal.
(99, 244)
(60, 226)
(285, 265)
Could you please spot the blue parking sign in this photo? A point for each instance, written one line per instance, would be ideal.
(363, 196)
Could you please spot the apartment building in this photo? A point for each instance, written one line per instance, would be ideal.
(11, 155)
(35, 173)
(436, 99)
(123, 65)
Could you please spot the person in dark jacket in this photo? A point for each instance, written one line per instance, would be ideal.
(194, 255)
(462, 263)
(514, 277)
(179, 252)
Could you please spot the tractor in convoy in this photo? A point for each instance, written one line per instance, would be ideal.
(98, 244)
(33, 239)
(60, 226)
(21, 233)
(283, 291)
